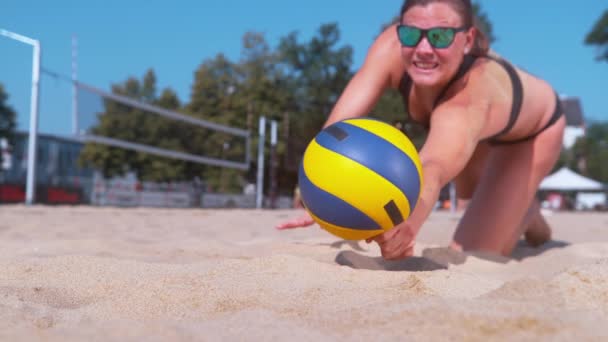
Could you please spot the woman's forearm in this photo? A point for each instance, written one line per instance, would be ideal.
(428, 197)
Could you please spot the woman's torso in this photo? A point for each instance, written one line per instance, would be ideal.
(537, 104)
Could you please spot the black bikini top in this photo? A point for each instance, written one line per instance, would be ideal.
(405, 87)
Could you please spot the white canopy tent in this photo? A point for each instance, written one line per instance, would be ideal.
(567, 180)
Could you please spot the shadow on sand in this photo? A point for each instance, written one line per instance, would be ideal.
(432, 259)
(524, 250)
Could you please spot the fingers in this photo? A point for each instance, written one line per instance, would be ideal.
(286, 225)
(396, 243)
(299, 222)
(290, 225)
(385, 237)
(398, 253)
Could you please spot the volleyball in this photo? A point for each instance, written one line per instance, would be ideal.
(359, 178)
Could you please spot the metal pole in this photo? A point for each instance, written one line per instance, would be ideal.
(30, 188)
(260, 180)
(31, 157)
(75, 129)
(273, 164)
(453, 199)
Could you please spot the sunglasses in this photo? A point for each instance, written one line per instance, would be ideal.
(438, 37)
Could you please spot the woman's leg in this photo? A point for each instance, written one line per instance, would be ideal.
(535, 228)
(502, 208)
(538, 231)
(466, 181)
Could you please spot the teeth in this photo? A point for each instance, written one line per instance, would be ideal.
(423, 65)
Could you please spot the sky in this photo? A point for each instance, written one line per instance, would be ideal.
(120, 39)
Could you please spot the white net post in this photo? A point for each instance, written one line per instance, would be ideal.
(30, 187)
(75, 128)
(273, 164)
(260, 179)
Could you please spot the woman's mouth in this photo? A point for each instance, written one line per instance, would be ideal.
(426, 65)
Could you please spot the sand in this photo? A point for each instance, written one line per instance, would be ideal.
(112, 274)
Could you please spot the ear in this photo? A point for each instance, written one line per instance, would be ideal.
(470, 39)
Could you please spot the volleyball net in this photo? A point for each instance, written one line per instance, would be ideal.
(119, 121)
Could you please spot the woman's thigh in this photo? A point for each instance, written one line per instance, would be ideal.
(466, 182)
(505, 189)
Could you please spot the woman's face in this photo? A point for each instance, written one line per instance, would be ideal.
(427, 65)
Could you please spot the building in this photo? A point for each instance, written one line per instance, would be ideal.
(59, 177)
(575, 121)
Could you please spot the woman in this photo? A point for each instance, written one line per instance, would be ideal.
(493, 129)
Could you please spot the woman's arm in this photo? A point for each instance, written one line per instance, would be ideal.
(455, 132)
(360, 95)
(370, 81)
(454, 135)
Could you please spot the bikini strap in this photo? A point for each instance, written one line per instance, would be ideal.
(518, 96)
(466, 64)
(405, 86)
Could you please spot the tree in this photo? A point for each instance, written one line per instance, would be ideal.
(217, 97)
(599, 36)
(132, 124)
(589, 154)
(483, 23)
(317, 72)
(592, 149)
(264, 91)
(597, 159)
(261, 87)
(8, 119)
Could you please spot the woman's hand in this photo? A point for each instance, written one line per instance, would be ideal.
(302, 221)
(397, 243)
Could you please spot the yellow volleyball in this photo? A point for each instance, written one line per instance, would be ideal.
(360, 177)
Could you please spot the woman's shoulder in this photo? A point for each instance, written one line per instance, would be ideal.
(386, 43)
(495, 77)
(473, 87)
(503, 63)
(385, 54)
(487, 73)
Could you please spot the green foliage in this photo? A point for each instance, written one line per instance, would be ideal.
(589, 155)
(134, 125)
(264, 90)
(297, 83)
(316, 73)
(214, 97)
(237, 94)
(596, 151)
(483, 23)
(8, 119)
(598, 36)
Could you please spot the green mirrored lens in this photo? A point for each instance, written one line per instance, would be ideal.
(409, 36)
(440, 37)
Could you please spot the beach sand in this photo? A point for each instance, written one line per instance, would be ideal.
(112, 274)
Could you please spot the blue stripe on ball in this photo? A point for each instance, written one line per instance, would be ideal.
(332, 209)
(377, 155)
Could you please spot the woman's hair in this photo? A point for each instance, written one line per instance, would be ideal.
(481, 45)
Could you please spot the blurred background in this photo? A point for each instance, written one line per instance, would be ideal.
(211, 103)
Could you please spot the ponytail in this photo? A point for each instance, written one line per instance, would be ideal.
(481, 44)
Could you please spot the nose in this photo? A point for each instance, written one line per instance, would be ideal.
(424, 46)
